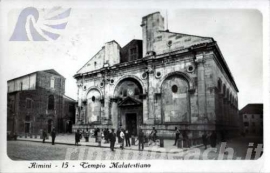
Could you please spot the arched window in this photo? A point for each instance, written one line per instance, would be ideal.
(51, 102)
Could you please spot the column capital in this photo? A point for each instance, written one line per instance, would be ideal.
(199, 59)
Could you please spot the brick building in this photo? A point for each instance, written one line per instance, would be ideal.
(252, 119)
(166, 80)
(36, 101)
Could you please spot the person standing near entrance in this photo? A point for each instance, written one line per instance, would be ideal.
(141, 139)
(77, 137)
(44, 135)
(127, 136)
(53, 134)
(177, 134)
(122, 136)
(112, 138)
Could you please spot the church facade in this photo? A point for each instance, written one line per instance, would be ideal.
(166, 80)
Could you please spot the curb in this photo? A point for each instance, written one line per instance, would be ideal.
(62, 143)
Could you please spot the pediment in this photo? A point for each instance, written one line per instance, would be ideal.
(130, 101)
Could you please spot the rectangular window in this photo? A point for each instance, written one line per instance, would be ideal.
(133, 54)
(28, 103)
(52, 82)
(246, 124)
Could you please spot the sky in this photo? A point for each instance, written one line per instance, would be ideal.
(237, 32)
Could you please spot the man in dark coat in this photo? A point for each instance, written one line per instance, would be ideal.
(112, 138)
(77, 137)
(213, 139)
(141, 139)
(177, 134)
(53, 134)
(185, 138)
(127, 137)
(204, 140)
(44, 135)
(118, 135)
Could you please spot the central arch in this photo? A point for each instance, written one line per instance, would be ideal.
(129, 104)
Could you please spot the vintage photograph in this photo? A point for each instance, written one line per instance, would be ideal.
(133, 84)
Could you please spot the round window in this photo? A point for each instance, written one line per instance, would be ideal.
(101, 84)
(144, 75)
(190, 68)
(158, 74)
(93, 99)
(112, 81)
(174, 89)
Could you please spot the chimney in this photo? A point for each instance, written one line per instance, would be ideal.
(151, 24)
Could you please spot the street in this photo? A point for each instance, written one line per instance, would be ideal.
(29, 150)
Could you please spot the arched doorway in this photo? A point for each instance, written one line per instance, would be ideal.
(175, 100)
(130, 106)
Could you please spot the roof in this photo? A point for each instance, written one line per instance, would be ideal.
(69, 98)
(52, 71)
(252, 109)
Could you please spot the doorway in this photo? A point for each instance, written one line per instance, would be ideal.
(27, 127)
(131, 123)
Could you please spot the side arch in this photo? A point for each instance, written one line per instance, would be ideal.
(177, 73)
(94, 88)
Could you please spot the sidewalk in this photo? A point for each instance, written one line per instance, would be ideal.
(69, 139)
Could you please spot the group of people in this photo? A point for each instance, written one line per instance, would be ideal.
(184, 137)
(207, 138)
(53, 135)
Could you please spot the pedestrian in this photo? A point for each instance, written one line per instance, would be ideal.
(141, 139)
(153, 134)
(122, 136)
(53, 134)
(177, 134)
(204, 140)
(213, 139)
(112, 138)
(44, 135)
(77, 137)
(86, 135)
(99, 136)
(127, 137)
(95, 134)
(185, 138)
(106, 135)
(118, 135)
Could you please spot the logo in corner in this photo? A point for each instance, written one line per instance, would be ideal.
(40, 25)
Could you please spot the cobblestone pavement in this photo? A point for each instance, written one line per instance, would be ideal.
(27, 150)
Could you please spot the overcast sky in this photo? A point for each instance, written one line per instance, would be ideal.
(237, 32)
